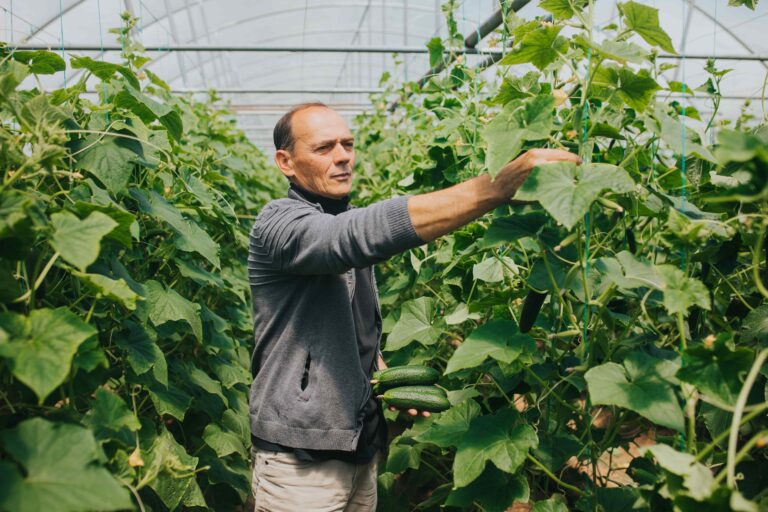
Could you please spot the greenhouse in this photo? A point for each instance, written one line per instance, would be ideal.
(393, 255)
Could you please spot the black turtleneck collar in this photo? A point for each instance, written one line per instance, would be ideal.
(329, 205)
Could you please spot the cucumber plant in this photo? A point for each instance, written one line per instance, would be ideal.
(601, 340)
(125, 332)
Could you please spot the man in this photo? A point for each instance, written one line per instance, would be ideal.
(317, 429)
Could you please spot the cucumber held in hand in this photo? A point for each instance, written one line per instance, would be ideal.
(423, 398)
(405, 376)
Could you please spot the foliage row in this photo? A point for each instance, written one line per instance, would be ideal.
(641, 385)
(124, 310)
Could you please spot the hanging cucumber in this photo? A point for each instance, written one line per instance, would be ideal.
(423, 398)
(631, 242)
(405, 376)
(531, 307)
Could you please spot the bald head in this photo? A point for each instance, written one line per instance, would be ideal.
(283, 133)
(317, 150)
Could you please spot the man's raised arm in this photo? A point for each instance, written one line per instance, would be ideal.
(437, 213)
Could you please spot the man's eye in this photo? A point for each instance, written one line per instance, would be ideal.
(349, 145)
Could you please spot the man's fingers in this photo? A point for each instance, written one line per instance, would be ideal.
(425, 414)
(413, 412)
(547, 155)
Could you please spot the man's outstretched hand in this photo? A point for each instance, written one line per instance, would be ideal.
(436, 213)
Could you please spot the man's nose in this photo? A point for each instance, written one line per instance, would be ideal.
(341, 154)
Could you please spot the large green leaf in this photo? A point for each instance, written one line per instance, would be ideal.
(566, 190)
(697, 478)
(148, 109)
(494, 268)
(41, 346)
(500, 439)
(110, 158)
(40, 62)
(514, 227)
(113, 289)
(498, 339)
(449, 429)
(494, 490)
(716, 369)
(170, 400)
(223, 441)
(563, 9)
(79, 241)
(738, 146)
(636, 386)
(12, 73)
(170, 470)
(540, 47)
(516, 87)
(748, 3)
(755, 326)
(636, 89)
(168, 306)
(142, 352)
(416, 323)
(110, 414)
(104, 70)
(192, 238)
(644, 20)
(680, 292)
(550, 505)
(519, 121)
(403, 456)
(127, 227)
(620, 51)
(61, 470)
(682, 140)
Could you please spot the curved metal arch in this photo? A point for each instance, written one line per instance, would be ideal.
(301, 9)
(726, 29)
(49, 21)
(348, 4)
(219, 29)
(279, 70)
(280, 81)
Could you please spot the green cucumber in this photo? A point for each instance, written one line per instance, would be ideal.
(405, 376)
(423, 398)
(531, 307)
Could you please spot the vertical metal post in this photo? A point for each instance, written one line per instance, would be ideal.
(218, 71)
(175, 36)
(191, 20)
(405, 35)
(383, 32)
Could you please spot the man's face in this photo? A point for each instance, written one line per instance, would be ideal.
(323, 154)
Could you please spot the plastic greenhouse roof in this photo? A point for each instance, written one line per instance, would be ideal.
(262, 85)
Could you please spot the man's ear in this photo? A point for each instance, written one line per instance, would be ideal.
(284, 162)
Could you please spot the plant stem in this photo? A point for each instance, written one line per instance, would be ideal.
(756, 266)
(722, 435)
(553, 477)
(741, 402)
(760, 436)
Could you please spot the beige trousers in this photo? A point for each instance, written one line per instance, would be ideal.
(283, 483)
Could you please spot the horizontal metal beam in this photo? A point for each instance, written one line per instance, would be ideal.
(258, 49)
(351, 90)
(761, 58)
(341, 49)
